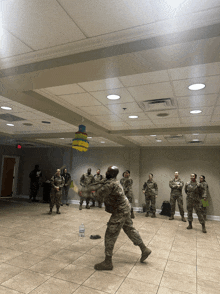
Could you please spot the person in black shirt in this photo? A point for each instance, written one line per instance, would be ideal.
(34, 184)
(66, 187)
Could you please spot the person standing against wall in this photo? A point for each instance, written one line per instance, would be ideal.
(176, 186)
(57, 183)
(85, 180)
(205, 195)
(98, 177)
(150, 189)
(66, 187)
(35, 176)
(127, 183)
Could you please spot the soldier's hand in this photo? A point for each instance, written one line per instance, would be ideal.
(156, 196)
(143, 191)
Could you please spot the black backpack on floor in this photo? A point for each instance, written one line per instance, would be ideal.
(166, 208)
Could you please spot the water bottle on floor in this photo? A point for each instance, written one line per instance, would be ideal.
(81, 231)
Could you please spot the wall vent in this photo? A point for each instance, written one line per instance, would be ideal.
(157, 104)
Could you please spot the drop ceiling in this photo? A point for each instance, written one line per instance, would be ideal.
(60, 59)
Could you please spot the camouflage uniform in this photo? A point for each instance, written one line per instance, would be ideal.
(55, 196)
(34, 185)
(127, 186)
(85, 180)
(151, 191)
(176, 186)
(205, 195)
(98, 195)
(67, 178)
(118, 205)
(194, 193)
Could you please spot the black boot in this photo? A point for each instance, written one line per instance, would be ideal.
(171, 217)
(50, 212)
(132, 213)
(58, 211)
(153, 214)
(106, 265)
(203, 228)
(145, 252)
(87, 206)
(147, 214)
(100, 205)
(80, 206)
(189, 226)
(93, 204)
(183, 219)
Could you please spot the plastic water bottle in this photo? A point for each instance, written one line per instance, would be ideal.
(81, 231)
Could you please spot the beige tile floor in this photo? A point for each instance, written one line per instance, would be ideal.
(41, 253)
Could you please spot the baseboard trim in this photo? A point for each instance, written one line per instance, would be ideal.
(137, 209)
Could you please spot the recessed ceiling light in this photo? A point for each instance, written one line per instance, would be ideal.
(45, 122)
(62, 138)
(159, 140)
(89, 137)
(195, 134)
(11, 125)
(6, 108)
(162, 114)
(102, 141)
(195, 111)
(153, 135)
(195, 87)
(113, 97)
(195, 140)
(27, 124)
(133, 116)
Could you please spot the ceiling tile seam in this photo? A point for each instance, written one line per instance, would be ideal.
(20, 41)
(216, 105)
(72, 19)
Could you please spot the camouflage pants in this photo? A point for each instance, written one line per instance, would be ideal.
(116, 223)
(204, 211)
(34, 187)
(129, 196)
(197, 206)
(87, 199)
(65, 194)
(179, 200)
(55, 198)
(98, 196)
(152, 199)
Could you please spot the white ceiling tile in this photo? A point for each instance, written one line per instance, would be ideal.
(205, 111)
(212, 86)
(154, 114)
(213, 138)
(40, 24)
(216, 111)
(140, 123)
(141, 116)
(151, 91)
(100, 85)
(108, 117)
(130, 108)
(192, 121)
(216, 118)
(122, 92)
(96, 110)
(104, 17)
(197, 101)
(195, 71)
(78, 100)
(117, 124)
(145, 78)
(171, 122)
(65, 90)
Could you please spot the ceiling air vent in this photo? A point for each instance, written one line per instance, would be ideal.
(193, 142)
(157, 104)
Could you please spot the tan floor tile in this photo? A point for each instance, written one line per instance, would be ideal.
(25, 246)
(66, 255)
(48, 266)
(207, 287)
(182, 257)
(208, 262)
(159, 252)
(78, 247)
(6, 254)
(153, 263)
(144, 274)
(130, 248)
(45, 250)
(122, 268)
(75, 273)
(163, 290)
(55, 286)
(106, 282)
(25, 281)
(4, 290)
(25, 260)
(126, 256)
(89, 260)
(8, 241)
(86, 290)
(214, 254)
(130, 286)
(208, 273)
(178, 282)
(8, 271)
(180, 268)
(162, 245)
(184, 249)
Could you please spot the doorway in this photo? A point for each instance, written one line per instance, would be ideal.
(9, 174)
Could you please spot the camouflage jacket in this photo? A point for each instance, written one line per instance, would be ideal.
(86, 180)
(126, 184)
(114, 196)
(194, 190)
(176, 186)
(150, 188)
(205, 189)
(98, 178)
(57, 182)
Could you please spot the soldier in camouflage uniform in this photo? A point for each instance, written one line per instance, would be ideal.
(118, 205)
(176, 186)
(85, 180)
(127, 183)
(194, 193)
(57, 183)
(34, 184)
(205, 193)
(150, 190)
(98, 196)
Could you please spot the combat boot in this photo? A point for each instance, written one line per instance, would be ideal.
(145, 252)
(93, 204)
(87, 206)
(183, 219)
(106, 265)
(58, 211)
(132, 213)
(153, 214)
(50, 212)
(147, 214)
(80, 207)
(189, 226)
(203, 228)
(100, 205)
(171, 217)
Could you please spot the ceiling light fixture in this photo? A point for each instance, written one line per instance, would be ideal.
(153, 135)
(133, 116)
(196, 87)
(102, 141)
(159, 140)
(45, 122)
(195, 111)
(10, 125)
(195, 140)
(6, 108)
(62, 138)
(195, 134)
(89, 137)
(113, 97)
